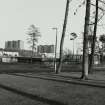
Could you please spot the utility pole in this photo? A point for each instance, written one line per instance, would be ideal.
(55, 65)
(62, 37)
(73, 44)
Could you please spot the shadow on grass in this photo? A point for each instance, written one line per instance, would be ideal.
(32, 96)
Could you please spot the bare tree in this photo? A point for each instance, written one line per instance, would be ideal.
(62, 38)
(33, 35)
(85, 42)
(96, 15)
(94, 38)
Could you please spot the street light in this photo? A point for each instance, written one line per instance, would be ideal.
(55, 65)
(74, 36)
(73, 44)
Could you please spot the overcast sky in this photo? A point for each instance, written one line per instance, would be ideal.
(17, 15)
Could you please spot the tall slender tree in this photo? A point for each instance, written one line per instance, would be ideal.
(94, 38)
(85, 41)
(62, 37)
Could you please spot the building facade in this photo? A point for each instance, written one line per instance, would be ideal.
(45, 49)
(14, 45)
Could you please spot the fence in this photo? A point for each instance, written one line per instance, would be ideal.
(67, 59)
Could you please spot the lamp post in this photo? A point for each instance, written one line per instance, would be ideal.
(74, 36)
(55, 65)
(73, 44)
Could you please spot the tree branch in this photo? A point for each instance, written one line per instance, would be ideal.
(101, 1)
(98, 19)
(98, 7)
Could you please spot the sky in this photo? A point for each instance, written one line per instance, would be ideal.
(17, 15)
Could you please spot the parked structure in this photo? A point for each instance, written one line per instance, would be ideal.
(8, 53)
(12, 53)
(9, 56)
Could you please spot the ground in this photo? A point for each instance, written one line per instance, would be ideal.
(36, 91)
(41, 88)
(10, 98)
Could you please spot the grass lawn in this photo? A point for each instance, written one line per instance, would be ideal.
(42, 67)
(70, 94)
(23, 67)
(9, 98)
(18, 90)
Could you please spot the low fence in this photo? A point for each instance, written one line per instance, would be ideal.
(76, 59)
(67, 60)
(19, 59)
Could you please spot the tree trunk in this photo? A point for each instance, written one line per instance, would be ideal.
(94, 39)
(62, 38)
(85, 42)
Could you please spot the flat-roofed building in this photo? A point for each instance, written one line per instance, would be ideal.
(14, 45)
(45, 49)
